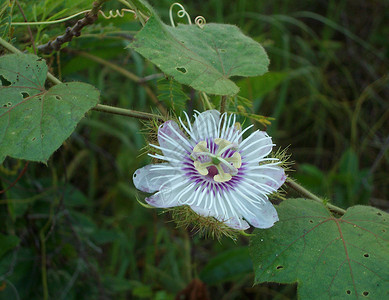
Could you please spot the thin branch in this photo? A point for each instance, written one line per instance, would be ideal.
(90, 18)
(50, 22)
(303, 191)
(9, 47)
(127, 112)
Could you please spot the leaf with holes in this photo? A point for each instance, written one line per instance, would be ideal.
(203, 58)
(329, 258)
(34, 122)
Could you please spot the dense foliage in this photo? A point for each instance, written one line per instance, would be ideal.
(72, 228)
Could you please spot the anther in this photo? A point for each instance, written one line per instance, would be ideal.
(226, 166)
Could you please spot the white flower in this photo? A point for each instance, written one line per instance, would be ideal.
(214, 171)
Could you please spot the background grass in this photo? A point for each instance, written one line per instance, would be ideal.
(78, 219)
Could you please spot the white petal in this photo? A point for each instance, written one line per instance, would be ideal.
(170, 194)
(240, 135)
(228, 122)
(222, 212)
(206, 125)
(171, 153)
(256, 146)
(260, 214)
(188, 129)
(237, 223)
(233, 133)
(172, 138)
(272, 176)
(234, 219)
(151, 178)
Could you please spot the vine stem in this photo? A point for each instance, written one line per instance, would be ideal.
(50, 22)
(137, 12)
(98, 107)
(303, 191)
(127, 112)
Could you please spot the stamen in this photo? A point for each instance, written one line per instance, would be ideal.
(221, 177)
(236, 160)
(201, 167)
(226, 144)
(231, 168)
(226, 166)
(222, 143)
(200, 147)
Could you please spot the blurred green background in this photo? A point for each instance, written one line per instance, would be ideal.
(83, 235)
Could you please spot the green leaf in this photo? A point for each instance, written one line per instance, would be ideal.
(329, 258)
(313, 179)
(203, 58)
(170, 92)
(143, 6)
(5, 20)
(34, 122)
(7, 243)
(143, 291)
(254, 88)
(229, 265)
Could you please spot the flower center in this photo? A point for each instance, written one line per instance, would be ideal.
(217, 165)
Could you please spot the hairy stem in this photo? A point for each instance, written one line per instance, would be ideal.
(303, 191)
(127, 112)
(9, 47)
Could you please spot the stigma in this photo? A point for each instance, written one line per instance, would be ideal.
(217, 162)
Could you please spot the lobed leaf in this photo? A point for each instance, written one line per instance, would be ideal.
(34, 122)
(203, 58)
(329, 258)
